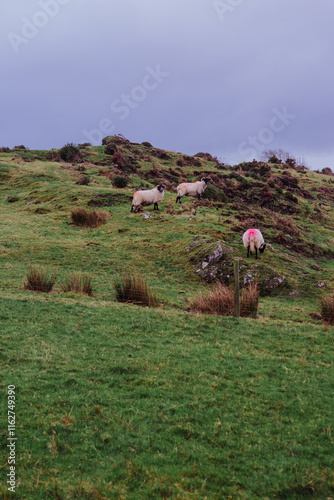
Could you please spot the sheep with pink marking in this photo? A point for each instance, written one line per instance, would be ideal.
(253, 240)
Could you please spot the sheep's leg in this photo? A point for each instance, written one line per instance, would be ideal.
(199, 197)
(178, 199)
(248, 248)
(132, 208)
(156, 206)
(256, 252)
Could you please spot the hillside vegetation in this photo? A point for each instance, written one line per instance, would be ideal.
(119, 401)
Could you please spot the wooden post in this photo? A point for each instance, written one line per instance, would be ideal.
(236, 290)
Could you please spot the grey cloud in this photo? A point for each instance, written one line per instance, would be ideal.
(225, 76)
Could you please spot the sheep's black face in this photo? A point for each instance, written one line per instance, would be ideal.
(207, 180)
(160, 188)
(262, 247)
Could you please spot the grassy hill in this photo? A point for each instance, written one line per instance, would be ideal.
(119, 401)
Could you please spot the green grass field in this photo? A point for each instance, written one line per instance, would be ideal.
(117, 401)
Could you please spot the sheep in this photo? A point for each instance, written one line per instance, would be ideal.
(192, 188)
(148, 197)
(253, 239)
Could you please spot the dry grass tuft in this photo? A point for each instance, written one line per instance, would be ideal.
(83, 218)
(249, 301)
(133, 289)
(327, 309)
(220, 300)
(39, 280)
(79, 283)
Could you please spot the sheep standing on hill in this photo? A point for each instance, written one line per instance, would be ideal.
(253, 240)
(148, 197)
(192, 188)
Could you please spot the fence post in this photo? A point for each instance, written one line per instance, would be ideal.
(236, 289)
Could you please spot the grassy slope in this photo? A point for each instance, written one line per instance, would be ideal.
(115, 401)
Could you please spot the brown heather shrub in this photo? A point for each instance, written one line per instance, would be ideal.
(132, 288)
(327, 309)
(83, 218)
(39, 280)
(220, 300)
(78, 282)
(119, 159)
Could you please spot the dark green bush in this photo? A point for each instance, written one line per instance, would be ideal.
(215, 194)
(120, 182)
(70, 153)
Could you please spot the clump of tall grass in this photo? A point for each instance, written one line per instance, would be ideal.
(79, 283)
(39, 280)
(249, 301)
(220, 300)
(133, 288)
(327, 309)
(83, 218)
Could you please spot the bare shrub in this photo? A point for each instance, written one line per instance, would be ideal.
(83, 218)
(220, 300)
(78, 282)
(133, 288)
(39, 280)
(327, 309)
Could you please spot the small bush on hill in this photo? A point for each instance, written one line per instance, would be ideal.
(39, 280)
(120, 182)
(133, 289)
(83, 218)
(79, 283)
(70, 153)
(215, 194)
(147, 144)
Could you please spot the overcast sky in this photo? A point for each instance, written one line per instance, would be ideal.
(228, 77)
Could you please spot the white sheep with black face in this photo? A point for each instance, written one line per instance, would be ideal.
(192, 188)
(253, 240)
(147, 197)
